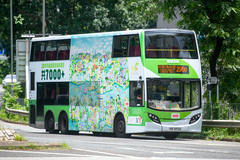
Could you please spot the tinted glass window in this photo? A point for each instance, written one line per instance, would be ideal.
(38, 51)
(32, 81)
(170, 45)
(56, 93)
(50, 50)
(126, 46)
(136, 93)
(63, 49)
(120, 48)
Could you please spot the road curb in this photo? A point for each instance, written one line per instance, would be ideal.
(8, 142)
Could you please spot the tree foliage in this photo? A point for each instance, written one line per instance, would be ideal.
(217, 24)
(70, 17)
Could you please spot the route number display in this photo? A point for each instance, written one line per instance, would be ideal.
(175, 69)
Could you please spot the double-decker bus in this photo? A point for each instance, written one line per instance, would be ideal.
(126, 82)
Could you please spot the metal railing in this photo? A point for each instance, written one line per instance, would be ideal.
(221, 115)
(17, 112)
(227, 111)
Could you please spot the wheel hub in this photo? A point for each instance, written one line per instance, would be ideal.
(50, 122)
(120, 126)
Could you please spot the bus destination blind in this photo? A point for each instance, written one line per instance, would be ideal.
(175, 69)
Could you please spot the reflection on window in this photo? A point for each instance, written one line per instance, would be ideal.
(38, 51)
(63, 49)
(56, 93)
(170, 45)
(165, 94)
(136, 93)
(120, 46)
(50, 50)
(126, 46)
(187, 95)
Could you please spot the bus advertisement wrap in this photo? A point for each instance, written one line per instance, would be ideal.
(127, 82)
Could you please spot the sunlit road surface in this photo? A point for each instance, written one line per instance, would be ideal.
(86, 146)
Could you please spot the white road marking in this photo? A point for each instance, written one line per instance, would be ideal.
(174, 152)
(47, 153)
(100, 152)
(130, 149)
(69, 158)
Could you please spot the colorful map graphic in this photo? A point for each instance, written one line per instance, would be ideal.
(99, 85)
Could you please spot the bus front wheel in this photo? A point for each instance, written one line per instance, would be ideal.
(63, 123)
(120, 127)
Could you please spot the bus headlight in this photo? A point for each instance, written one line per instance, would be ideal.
(195, 118)
(154, 118)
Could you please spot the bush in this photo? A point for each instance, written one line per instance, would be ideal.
(11, 102)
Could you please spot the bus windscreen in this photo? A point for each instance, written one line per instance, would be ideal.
(169, 94)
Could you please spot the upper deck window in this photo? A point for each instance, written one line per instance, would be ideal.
(50, 50)
(126, 46)
(170, 45)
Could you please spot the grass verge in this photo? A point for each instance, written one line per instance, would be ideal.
(13, 118)
(220, 134)
(34, 146)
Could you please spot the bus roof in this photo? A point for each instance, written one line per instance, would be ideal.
(62, 37)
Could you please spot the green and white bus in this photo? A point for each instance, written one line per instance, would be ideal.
(126, 82)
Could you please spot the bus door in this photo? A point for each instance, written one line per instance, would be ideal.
(40, 99)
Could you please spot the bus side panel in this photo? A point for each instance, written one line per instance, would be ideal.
(56, 110)
(35, 120)
(32, 113)
(136, 120)
(99, 84)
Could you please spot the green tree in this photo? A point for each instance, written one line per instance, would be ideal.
(217, 24)
(70, 17)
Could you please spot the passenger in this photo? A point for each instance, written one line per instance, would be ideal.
(184, 53)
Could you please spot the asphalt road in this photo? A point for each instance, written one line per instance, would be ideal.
(86, 146)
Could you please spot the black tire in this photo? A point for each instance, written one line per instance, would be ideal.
(50, 124)
(120, 127)
(63, 123)
(97, 133)
(171, 136)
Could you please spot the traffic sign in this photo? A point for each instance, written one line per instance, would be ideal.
(213, 80)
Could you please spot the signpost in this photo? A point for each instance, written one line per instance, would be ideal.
(22, 57)
(210, 81)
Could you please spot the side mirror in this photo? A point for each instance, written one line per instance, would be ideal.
(139, 85)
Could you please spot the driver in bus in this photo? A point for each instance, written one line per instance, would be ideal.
(139, 97)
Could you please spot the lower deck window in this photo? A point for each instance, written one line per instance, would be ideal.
(56, 93)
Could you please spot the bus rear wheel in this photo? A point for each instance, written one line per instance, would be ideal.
(50, 124)
(120, 127)
(63, 119)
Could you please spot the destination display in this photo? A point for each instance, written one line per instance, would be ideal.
(176, 69)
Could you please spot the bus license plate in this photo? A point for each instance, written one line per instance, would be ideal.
(175, 128)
